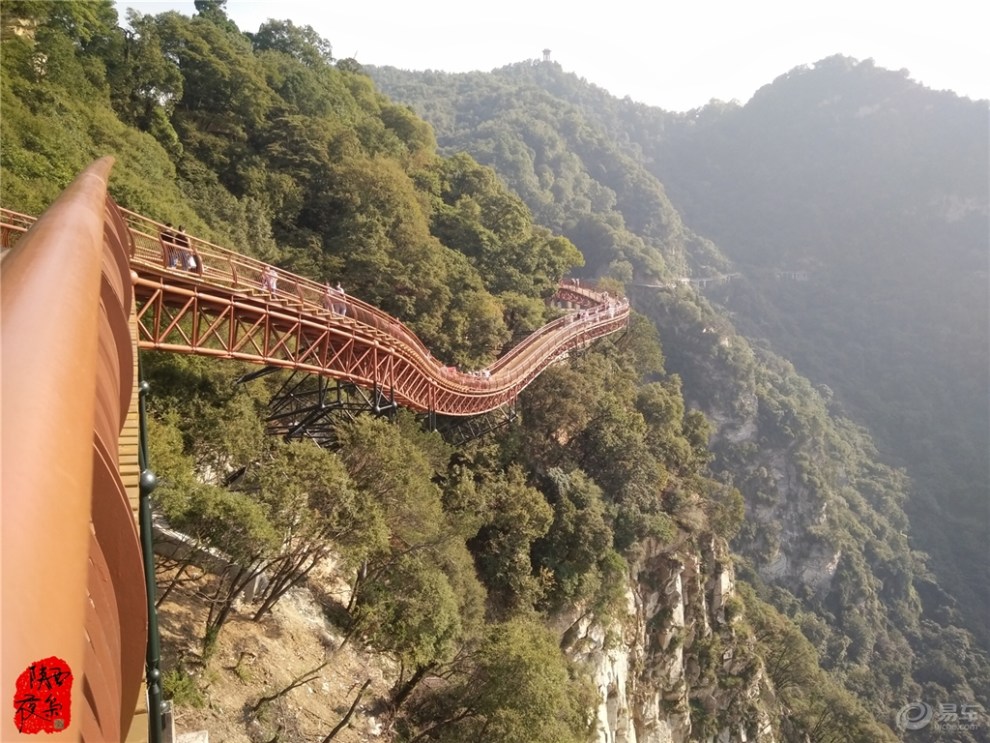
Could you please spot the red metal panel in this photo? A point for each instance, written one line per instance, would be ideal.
(115, 530)
(102, 659)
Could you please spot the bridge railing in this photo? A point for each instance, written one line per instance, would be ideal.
(14, 224)
(154, 245)
(221, 266)
(216, 265)
(73, 585)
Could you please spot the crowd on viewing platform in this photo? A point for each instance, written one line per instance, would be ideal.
(608, 309)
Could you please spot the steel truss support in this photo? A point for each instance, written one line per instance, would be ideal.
(459, 430)
(310, 406)
(186, 314)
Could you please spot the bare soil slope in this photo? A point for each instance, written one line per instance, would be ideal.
(257, 659)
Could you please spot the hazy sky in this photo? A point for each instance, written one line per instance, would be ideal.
(676, 55)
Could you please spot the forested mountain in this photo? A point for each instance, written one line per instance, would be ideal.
(840, 218)
(853, 205)
(878, 189)
(568, 577)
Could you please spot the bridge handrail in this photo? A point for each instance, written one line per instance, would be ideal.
(67, 368)
(244, 273)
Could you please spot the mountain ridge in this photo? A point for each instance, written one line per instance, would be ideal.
(680, 155)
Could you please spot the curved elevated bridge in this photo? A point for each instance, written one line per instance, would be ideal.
(84, 287)
(222, 308)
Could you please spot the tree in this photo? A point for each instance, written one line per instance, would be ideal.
(612, 450)
(236, 526)
(518, 687)
(662, 408)
(519, 516)
(412, 131)
(398, 476)
(215, 11)
(85, 23)
(480, 218)
(410, 612)
(220, 420)
(145, 85)
(311, 501)
(225, 98)
(556, 408)
(302, 43)
(578, 539)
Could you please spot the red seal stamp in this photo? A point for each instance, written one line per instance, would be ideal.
(43, 697)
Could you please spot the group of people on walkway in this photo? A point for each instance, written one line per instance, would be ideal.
(335, 299)
(178, 253)
(449, 371)
(609, 310)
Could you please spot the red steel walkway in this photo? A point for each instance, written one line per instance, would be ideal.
(222, 308)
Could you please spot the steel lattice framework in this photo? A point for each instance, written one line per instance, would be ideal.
(199, 298)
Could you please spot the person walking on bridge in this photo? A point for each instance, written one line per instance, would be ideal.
(269, 280)
(183, 254)
(167, 238)
(340, 307)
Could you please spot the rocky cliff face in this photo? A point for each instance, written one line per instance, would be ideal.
(782, 510)
(673, 668)
(773, 451)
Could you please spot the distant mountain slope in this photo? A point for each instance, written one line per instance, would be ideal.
(878, 189)
(847, 203)
(854, 202)
(570, 171)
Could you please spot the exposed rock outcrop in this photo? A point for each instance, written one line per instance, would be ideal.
(672, 668)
